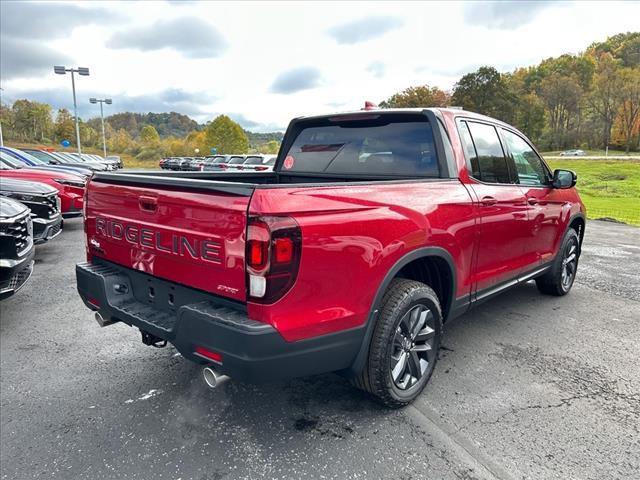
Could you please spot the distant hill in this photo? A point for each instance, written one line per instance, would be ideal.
(173, 124)
(170, 124)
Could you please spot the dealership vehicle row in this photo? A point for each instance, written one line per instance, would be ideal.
(38, 189)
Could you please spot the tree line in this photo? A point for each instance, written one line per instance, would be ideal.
(590, 100)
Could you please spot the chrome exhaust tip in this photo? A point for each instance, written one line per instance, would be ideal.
(103, 322)
(212, 378)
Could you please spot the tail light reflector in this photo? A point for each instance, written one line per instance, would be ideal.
(203, 352)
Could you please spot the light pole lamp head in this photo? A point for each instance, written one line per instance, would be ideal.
(93, 100)
(83, 71)
(108, 101)
(60, 70)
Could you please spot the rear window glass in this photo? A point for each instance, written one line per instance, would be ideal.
(253, 161)
(398, 148)
(236, 160)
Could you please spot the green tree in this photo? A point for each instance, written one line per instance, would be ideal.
(561, 96)
(32, 120)
(226, 135)
(89, 136)
(120, 141)
(421, 96)
(606, 95)
(64, 127)
(271, 147)
(485, 91)
(149, 136)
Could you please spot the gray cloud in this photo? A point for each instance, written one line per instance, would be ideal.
(504, 15)
(191, 36)
(377, 69)
(47, 20)
(26, 26)
(364, 29)
(169, 100)
(20, 58)
(296, 79)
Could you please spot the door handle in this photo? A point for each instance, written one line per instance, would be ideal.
(532, 201)
(148, 204)
(488, 201)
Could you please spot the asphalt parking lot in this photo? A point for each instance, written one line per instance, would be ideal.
(527, 386)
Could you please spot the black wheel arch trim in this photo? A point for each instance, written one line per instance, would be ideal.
(573, 217)
(423, 252)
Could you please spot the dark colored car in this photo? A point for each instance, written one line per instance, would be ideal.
(16, 246)
(42, 200)
(375, 228)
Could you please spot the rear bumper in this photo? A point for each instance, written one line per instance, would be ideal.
(251, 351)
(45, 230)
(15, 273)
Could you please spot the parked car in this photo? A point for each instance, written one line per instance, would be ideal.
(70, 187)
(375, 228)
(117, 159)
(235, 162)
(16, 246)
(68, 159)
(87, 160)
(25, 159)
(573, 153)
(217, 163)
(162, 163)
(258, 163)
(42, 200)
(49, 159)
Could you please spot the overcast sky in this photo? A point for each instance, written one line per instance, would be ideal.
(264, 63)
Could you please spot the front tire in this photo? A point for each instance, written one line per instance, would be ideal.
(405, 343)
(559, 280)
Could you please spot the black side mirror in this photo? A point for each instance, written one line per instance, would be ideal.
(564, 178)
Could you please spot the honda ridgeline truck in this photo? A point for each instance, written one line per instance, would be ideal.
(374, 229)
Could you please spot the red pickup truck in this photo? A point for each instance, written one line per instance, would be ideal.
(374, 228)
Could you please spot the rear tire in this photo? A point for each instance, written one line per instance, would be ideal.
(405, 343)
(559, 279)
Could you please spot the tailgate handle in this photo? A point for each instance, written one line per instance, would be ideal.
(148, 204)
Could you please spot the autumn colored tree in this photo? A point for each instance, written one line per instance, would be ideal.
(422, 96)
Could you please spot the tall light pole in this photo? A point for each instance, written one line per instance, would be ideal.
(60, 70)
(108, 101)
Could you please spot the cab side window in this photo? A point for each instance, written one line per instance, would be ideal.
(486, 159)
(529, 166)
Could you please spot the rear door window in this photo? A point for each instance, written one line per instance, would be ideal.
(376, 147)
(487, 159)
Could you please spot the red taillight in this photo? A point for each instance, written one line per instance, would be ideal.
(258, 251)
(222, 165)
(215, 356)
(273, 256)
(283, 249)
(261, 168)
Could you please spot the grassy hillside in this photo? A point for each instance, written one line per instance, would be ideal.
(609, 188)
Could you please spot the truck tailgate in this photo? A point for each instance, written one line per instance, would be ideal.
(193, 237)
